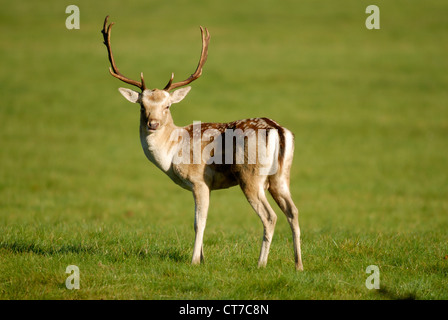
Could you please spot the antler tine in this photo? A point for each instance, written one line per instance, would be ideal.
(106, 31)
(205, 41)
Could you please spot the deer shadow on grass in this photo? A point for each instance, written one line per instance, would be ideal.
(46, 250)
(173, 254)
(19, 247)
(386, 293)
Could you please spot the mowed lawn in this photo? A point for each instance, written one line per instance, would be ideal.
(369, 110)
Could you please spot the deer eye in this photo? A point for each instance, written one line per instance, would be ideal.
(168, 106)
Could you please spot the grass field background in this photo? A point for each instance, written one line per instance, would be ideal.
(370, 175)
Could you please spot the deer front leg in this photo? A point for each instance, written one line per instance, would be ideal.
(201, 194)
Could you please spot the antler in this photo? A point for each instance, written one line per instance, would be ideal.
(113, 69)
(205, 41)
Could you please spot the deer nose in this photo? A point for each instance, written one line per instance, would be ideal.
(153, 125)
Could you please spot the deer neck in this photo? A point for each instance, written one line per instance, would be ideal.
(157, 145)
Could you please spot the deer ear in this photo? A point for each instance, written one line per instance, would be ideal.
(179, 94)
(130, 95)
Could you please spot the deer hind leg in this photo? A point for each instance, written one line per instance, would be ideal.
(257, 198)
(201, 194)
(279, 189)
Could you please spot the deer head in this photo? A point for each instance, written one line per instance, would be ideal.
(155, 104)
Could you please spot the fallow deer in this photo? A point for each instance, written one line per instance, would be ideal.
(163, 141)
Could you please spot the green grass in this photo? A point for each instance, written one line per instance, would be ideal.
(370, 177)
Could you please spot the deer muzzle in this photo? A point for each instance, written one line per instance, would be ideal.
(153, 125)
